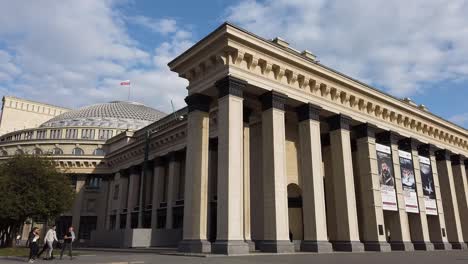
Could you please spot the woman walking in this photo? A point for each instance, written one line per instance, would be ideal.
(33, 244)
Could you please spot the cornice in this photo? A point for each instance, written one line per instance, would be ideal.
(243, 53)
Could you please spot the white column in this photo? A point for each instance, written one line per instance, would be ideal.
(173, 170)
(275, 200)
(313, 193)
(196, 181)
(246, 182)
(77, 204)
(449, 199)
(158, 172)
(398, 224)
(461, 189)
(133, 182)
(419, 228)
(372, 217)
(230, 237)
(347, 229)
(437, 229)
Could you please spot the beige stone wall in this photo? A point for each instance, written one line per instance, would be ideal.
(20, 114)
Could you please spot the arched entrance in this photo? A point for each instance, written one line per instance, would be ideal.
(296, 226)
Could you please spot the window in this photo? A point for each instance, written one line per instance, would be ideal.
(105, 133)
(55, 133)
(57, 151)
(41, 134)
(37, 151)
(112, 222)
(71, 133)
(77, 151)
(93, 182)
(99, 152)
(87, 133)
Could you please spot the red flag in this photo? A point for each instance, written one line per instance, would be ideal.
(127, 82)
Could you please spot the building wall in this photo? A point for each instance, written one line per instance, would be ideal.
(21, 114)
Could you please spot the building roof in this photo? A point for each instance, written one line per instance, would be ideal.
(116, 114)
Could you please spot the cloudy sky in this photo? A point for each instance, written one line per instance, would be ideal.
(74, 53)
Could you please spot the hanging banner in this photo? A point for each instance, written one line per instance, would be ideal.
(427, 179)
(408, 181)
(387, 181)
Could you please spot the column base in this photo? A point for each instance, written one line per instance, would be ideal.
(458, 245)
(316, 246)
(423, 245)
(194, 246)
(377, 246)
(251, 245)
(230, 247)
(401, 246)
(277, 246)
(442, 245)
(349, 246)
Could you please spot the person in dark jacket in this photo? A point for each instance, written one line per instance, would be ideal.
(67, 242)
(33, 241)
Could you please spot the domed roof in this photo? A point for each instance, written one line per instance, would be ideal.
(117, 114)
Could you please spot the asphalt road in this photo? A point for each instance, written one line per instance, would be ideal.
(435, 257)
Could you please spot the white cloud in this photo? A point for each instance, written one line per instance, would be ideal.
(75, 53)
(164, 25)
(399, 45)
(461, 119)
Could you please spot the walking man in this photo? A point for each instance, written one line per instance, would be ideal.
(67, 242)
(49, 239)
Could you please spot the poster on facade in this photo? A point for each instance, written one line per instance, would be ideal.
(387, 181)
(409, 182)
(427, 179)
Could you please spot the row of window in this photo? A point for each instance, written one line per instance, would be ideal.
(57, 151)
(71, 133)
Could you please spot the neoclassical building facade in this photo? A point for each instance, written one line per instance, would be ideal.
(278, 153)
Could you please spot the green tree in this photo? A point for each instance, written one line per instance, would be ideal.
(30, 187)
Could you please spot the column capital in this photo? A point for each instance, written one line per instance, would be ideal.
(339, 121)
(443, 154)
(409, 144)
(388, 137)
(427, 149)
(456, 159)
(198, 102)
(230, 86)
(273, 99)
(308, 112)
(365, 130)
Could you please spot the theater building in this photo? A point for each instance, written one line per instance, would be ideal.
(276, 152)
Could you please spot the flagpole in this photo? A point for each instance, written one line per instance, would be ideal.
(128, 99)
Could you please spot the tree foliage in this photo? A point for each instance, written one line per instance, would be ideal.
(30, 187)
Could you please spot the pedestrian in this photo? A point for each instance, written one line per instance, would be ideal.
(49, 239)
(67, 242)
(33, 244)
(18, 238)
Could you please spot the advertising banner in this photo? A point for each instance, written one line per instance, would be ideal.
(387, 181)
(427, 179)
(408, 181)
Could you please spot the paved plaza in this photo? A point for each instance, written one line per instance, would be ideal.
(436, 257)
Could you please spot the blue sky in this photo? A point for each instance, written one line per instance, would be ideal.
(74, 53)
